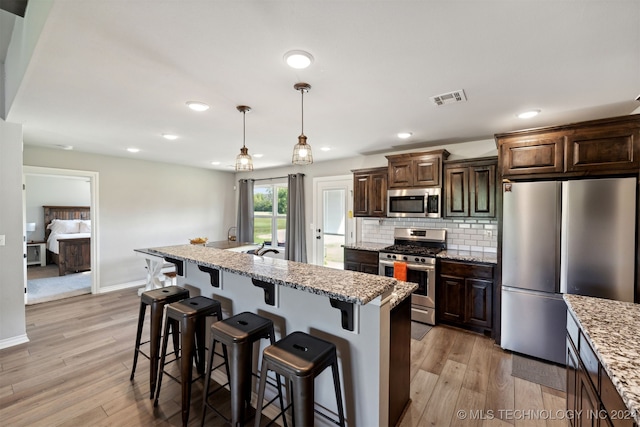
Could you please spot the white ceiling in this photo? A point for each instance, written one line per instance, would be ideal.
(107, 75)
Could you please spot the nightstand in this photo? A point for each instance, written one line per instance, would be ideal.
(37, 253)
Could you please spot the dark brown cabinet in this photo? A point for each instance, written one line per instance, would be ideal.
(416, 169)
(591, 396)
(464, 295)
(470, 188)
(361, 260)
(370, 192)
(597, 147)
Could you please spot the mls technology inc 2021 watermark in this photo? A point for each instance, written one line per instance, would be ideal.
(540, 414)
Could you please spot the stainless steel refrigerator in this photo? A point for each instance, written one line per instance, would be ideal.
(574, 237)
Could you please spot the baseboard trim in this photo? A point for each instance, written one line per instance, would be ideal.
(10, 342)
(126, 285)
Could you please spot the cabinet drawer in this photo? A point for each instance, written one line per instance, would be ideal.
(589, 360)
(361, 256)
(460, 269)
(572, 329)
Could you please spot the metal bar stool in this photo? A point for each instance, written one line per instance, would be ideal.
(157, 299)
(237, 335)
(191, 314)
(300, 357)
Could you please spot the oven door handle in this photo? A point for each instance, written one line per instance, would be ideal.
(418, 267)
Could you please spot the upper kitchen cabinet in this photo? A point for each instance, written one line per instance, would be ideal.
(370, 192)
(416, 169)
(598, 147)
(470, 188)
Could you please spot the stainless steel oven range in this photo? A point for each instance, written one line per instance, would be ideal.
(417, 247)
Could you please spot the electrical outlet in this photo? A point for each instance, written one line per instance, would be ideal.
(1, 239)
(488, 233)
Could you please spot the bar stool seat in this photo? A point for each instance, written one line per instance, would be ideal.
(301, 357)
(156, 299)
(191, 314)
(238, 334)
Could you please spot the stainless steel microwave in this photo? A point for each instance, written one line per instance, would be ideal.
(414, 203)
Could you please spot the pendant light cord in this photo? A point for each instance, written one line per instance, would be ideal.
(244, 127)
(302, 105)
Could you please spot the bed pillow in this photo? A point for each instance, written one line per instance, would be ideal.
(85, 226)
(64, 226)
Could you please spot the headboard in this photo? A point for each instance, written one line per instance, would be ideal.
(63, 212)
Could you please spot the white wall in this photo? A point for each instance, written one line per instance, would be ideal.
(12, 318)
(145, 204)
(45, 190)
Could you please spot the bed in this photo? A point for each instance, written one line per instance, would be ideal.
(68, 238)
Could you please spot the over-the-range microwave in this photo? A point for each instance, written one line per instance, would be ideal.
(414, 203)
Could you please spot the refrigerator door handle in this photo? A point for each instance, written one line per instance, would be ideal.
(564, 226)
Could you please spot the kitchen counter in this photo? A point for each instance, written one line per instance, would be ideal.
(347, 286)
(611, 327)
(229, 244)
(367, 317)
(367, 246)
(459, 255)
(452, 254)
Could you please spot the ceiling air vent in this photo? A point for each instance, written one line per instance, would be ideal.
(449, 97)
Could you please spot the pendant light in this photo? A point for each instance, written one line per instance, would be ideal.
(302, 151)
(244, 163)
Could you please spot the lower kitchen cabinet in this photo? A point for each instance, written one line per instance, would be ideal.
(464, 295)
(361, 260)
(592, 398)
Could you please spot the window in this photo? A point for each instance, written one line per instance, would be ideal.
(270, 214)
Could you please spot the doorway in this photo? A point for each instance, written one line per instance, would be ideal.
(333, 219)
(35, 173)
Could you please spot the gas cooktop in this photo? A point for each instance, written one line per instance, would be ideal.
(411, 250)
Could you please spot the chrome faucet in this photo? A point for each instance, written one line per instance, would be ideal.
(275, 251)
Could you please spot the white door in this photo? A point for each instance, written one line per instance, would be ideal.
(333, 223)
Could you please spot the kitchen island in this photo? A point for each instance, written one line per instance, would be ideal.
(350, 309)
(603, 366)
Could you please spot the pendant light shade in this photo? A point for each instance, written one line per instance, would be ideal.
(244, 163)
(302, 151)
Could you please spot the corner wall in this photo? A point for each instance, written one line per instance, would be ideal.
(12, 317)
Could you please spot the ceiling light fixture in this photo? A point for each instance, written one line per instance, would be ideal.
(215, 163)
(257, 156)
(65, 147)
(528, 114)
(243, 161)
(133, 150)
(325, 148)
(197, 106)
(404, 135)
(302, 151)
(298, 59)
(170, 136)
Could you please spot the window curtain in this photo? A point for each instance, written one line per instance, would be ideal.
(296, 243)
(245, 211)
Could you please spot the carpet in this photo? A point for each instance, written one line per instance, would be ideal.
(539, 372)
(54, 288)
(419, 330)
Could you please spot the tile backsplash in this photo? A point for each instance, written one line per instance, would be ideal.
(478, 235)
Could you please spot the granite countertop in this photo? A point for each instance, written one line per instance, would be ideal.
(229, 244)
(401, 291)
(367, 246)
(348, 286)
(453, 254)
(459, 255)
(611, 327)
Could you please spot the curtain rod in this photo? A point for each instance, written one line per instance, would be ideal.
(275, 177)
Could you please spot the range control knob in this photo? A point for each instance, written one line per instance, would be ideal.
(388, 255)
(405, 258)
(418, 259)
(422, 259)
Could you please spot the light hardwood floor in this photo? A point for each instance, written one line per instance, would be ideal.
(75, 372)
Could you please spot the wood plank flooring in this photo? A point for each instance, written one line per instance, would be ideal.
(75, 372)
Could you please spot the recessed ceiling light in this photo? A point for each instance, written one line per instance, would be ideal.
(215, 163)
(133, 150)
(298, 59)
(169, 136)
(257, 156)
(528, 114)
(197, 106)
(65, 147)
(404, 135)
(325, 148)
